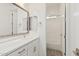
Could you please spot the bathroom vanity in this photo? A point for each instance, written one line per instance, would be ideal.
(22, 45)
(16, 38)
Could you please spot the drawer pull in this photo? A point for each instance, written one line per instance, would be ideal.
(21, 51)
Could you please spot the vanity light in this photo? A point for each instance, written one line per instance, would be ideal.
(54, 17)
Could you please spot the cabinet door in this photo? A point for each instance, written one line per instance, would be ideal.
(33, 48)
(19, 52)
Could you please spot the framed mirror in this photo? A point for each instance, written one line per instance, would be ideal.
(20, 20)
(14, 19)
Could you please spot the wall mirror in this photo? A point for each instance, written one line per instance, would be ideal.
(20, 19)
(13, 19)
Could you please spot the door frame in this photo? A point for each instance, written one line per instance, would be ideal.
(65, 30)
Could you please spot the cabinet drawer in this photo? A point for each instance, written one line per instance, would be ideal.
(19, 52)
(33, 48)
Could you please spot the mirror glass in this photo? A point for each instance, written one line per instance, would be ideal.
(5, 19)
(20, 19)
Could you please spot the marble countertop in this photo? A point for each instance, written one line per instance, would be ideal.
(13, 43)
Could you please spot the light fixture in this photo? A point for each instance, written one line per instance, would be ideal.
(50, 17)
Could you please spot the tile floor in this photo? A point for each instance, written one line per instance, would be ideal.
(53, 52)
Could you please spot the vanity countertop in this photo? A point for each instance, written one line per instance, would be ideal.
(15, 42)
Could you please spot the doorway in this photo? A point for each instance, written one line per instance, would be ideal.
(55, 29)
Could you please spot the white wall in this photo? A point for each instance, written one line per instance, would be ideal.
(26, 6)
(52, 9)
(39, 10)
(72, 28)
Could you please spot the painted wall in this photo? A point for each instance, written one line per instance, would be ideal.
(39, 10)
(72, 28)
(52, 9)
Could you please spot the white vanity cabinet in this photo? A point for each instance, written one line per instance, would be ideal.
(30, 49)
(33, 48)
